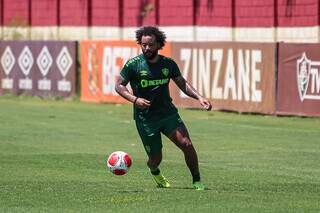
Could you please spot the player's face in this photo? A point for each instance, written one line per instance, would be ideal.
(149, 46)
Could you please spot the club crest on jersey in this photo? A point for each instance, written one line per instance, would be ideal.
(143, 73)
(303, 73)
(165, 71)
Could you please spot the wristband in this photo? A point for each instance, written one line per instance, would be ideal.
(135, 100)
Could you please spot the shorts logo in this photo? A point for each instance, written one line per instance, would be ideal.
(148, 148)
(308, 72)
(165, 72)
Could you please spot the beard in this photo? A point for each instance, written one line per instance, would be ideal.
(150, 54)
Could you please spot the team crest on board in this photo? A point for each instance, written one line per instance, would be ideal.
(303, 72)
(165, 71)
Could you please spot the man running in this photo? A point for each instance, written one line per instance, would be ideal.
(149, 74)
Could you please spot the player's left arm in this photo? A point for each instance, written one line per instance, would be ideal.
(192, 92)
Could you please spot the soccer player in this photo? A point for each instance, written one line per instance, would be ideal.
(149, 74)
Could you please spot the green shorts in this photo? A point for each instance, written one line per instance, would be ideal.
(150, 133)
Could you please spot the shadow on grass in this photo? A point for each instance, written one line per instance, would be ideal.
(167, 189)
(188, 188)
(131, 191)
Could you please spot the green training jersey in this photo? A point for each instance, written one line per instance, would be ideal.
(151, 81)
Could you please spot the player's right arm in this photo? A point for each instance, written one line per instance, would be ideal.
(191, 92)
(187, 88)
(122, 90)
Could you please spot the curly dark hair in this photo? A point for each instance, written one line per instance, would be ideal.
(151, 30)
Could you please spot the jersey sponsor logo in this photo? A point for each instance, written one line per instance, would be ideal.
(165, 72)
(147, 83)
(308, 74)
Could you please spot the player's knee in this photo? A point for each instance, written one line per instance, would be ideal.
(186, 143)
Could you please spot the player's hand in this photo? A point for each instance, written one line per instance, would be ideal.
(142, 103)
(205, 103)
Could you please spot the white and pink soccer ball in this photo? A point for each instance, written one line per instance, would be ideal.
(119, 162)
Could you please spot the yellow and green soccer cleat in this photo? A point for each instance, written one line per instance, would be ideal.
(198, 186)
(161, 181)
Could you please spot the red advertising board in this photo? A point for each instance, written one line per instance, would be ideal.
(298, 79)
(235, 76)
(102, 62)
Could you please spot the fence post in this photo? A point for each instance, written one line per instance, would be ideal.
(89, 18)
(157, 14)
(195, 7)
(2, 18)
(233, 20)
(120, 19)
(275, 20)
(58, 19)
(318, 21)
(29, 18)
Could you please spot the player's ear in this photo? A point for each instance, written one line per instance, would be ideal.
(158, 46)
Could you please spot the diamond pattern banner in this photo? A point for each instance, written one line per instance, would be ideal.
(7, 60)
(40, 68)
(26, 60)
(44, 61)
(64, 61)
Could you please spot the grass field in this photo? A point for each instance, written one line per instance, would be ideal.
(52, 157)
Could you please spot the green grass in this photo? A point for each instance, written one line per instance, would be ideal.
(52, 157)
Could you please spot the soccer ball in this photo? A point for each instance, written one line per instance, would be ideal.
(119, 162)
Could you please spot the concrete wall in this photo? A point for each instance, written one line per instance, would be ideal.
(182, 20)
